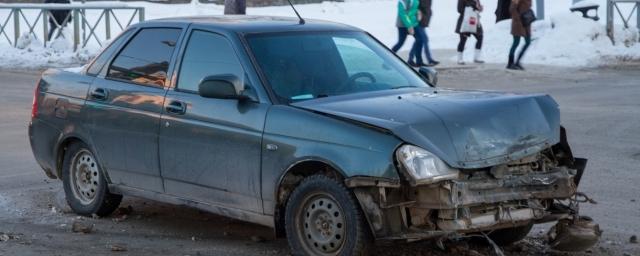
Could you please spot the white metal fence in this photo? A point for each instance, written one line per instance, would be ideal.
(88, 22)
(626, 18)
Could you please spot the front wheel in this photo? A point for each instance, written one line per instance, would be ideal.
(84, 183)
(324, 218)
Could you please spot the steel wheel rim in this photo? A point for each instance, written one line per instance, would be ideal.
(322, 224)
(85, 177)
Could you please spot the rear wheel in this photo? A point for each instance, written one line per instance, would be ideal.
(509, 236)
(323, 218)
(84, 183)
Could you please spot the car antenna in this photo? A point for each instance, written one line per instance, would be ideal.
(296, 11)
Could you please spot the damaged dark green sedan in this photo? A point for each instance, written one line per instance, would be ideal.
(315, 129)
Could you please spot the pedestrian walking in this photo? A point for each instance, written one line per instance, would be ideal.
(521, 18)
(425, 12)
(479, 34)
(407, 23)
(58, 19)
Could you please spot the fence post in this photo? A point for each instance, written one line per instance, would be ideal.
(540, 9)
(610, 20)
(76, 29)
(638, 16)
(45, 26)
(107, 23)
(16, 26)
(140, 14)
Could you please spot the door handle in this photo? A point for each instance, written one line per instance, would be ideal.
(176, 107)
(99, 94)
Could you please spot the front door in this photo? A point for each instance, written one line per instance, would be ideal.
(124, 107)
(210, 148)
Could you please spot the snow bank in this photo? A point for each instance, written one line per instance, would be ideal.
(29, 53)
(564, 38)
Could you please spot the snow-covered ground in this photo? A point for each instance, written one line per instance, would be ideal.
(563, 38)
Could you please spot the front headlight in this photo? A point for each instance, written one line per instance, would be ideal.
(423, 166)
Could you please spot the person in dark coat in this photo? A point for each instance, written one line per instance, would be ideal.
(425, 12)
(519, 30)
(502, 10)
(57, 17)
(475, 4)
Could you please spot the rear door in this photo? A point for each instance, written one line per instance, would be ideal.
(125, 104)
(210, 148)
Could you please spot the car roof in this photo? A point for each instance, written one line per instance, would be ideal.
(255, 24)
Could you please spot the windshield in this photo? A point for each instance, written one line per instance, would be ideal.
(305, 66)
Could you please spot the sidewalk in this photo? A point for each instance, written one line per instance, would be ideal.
(447, 59)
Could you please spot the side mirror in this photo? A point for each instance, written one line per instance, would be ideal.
(221, 87)
(429, 75)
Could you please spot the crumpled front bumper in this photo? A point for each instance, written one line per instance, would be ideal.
(557, 183)
(489, 204)
(396, 211)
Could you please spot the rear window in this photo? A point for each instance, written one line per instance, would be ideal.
(102, 59)
(145, 59)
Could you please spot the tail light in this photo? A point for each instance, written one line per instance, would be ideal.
(34, 104)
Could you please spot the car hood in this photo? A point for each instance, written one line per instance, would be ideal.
(466, 129)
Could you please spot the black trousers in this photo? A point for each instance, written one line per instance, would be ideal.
(463, 41)
(58, 17)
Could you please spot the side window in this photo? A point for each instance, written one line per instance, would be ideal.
(145, 59)
(102, 59)
(207, 54)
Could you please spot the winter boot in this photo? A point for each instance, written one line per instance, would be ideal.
(416, 65)
(460, 58)
(518, 66)
(510, 65)
(478, 57)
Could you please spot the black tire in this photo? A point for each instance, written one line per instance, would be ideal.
(89, 195)
(509, 236)
(352, 237)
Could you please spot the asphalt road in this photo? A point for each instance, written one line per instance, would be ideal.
(600, 108)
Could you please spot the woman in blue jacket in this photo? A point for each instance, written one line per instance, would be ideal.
(407, 23)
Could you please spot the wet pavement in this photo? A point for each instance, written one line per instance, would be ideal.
(600, 108)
